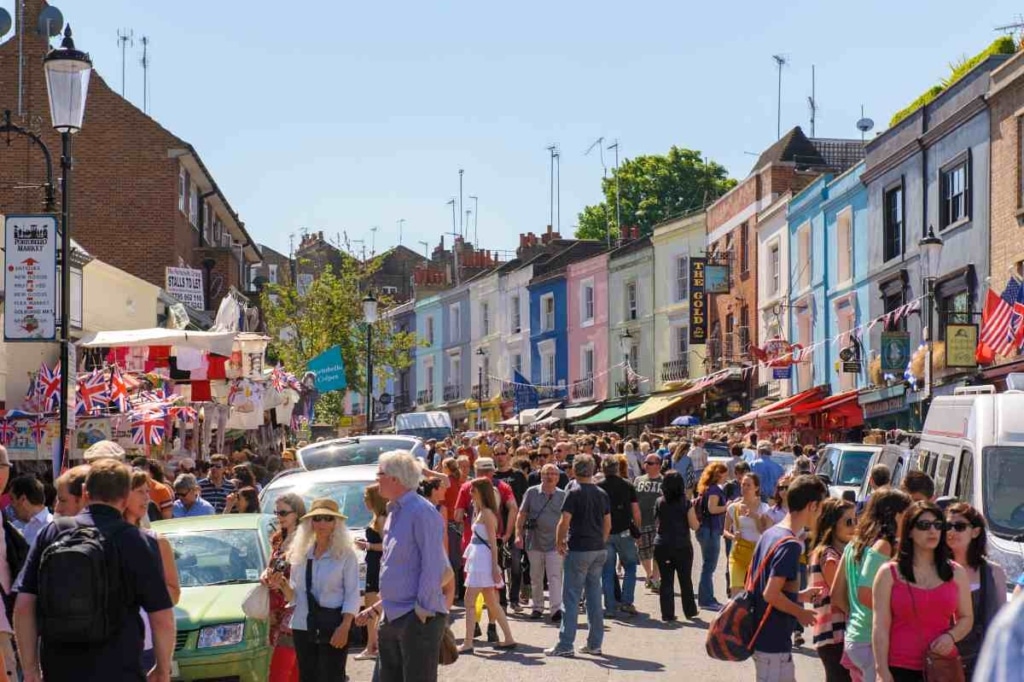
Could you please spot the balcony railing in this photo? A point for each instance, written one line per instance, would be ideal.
(425, 397)
(484, 394)
(675, 370)
(452, 392)
(583, 390)
(508, 390)
(549, 392)
(400, 403)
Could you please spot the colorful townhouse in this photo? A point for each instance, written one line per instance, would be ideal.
(587, 290)
(429, 392)
(455, 358)
(631, 316)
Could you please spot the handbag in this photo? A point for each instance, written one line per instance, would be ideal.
(449, 650)
(937, 668)
(256, 604)
(320, 622)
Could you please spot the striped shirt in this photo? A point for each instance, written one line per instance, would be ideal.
(830, 626)
(217, 496)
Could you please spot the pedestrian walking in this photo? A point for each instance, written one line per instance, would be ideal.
(711, 499)
(835, 530)
(216, 487)
(536, 527)
(675, 518)
(745, 520)
(648, 492)
(625, 515)
(412, 571)
(373, 544)
(581, 538)
(922, 600)
(288, 509)
(189, 502)
(767, 469)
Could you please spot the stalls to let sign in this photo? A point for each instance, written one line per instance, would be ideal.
(30, 278)
(186, 285)
(698, 302)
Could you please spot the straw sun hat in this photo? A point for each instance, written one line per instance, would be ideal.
(324, 506)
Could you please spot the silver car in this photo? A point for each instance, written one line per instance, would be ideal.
(354, 450)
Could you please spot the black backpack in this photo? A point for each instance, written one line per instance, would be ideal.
(80, 593)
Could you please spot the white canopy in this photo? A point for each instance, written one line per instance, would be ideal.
(214, 342)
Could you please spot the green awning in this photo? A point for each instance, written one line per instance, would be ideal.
(608, 415)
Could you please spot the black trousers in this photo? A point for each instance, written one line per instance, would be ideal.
(831, 656)
(409, 651)
(904, 675)
(513, 567)
(675, 564)
(318, 662)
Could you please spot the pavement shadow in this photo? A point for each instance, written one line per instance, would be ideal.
(523, 654)
(609, 662)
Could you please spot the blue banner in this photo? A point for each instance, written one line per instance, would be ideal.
(329, 369)
(525, 397)
(779, 373)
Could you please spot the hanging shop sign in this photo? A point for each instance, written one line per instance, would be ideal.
(850, 357)
(734, 408)
(329, 370)
(30, 278)
(716, 278)
(777, 352)
(895, 351)
(186, 285)
(961, 343)
(698, 302)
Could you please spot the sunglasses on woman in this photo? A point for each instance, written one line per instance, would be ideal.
(323, 519)
(281, 513)
(958, 526)
(925, 525)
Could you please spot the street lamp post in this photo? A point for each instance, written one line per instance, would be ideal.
(480, 385)
(931, 252)
(370, 316)
(624, 343)
(67, 84)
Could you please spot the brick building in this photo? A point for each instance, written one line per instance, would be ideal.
(141, 198)
(1005, 99)
(275, 268)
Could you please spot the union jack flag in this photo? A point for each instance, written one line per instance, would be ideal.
(183, 412)
(277, 379)
(38, 429)
(118, 390)
(93, 394)
(49, 386)
(7, 431)
(147, 428)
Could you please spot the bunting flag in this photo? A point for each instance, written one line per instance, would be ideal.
(38, 429)
(148, 428)
(118, 390)
(7, 431)
(93, 394)
(1001, 322)
(184, 413)
(277, 379)
(49, 387)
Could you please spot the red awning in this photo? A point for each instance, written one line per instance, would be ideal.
(841, 409)
(831, 402)
(809, 394)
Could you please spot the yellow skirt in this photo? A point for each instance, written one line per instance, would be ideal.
(739, 562)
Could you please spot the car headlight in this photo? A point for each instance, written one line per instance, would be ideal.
(221, 635)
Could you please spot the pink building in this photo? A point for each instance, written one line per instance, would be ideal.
(587, 289)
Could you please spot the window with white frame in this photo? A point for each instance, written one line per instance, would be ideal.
(587, 362)
(430, 330)
(632, 301)
(804, 265)
(193, 205)
(547, 312)
(682, 278)
(430, 375)
(454, 322)
(182, 188)
(547, 367)
(955, 192)
(455, 369)
(844, 245)
(774, 269)
(485, 318)
(515, 315)
(272, 273)
(681, 348)
(634, 356)
(587, 302)
(517, 362)
(254, 272)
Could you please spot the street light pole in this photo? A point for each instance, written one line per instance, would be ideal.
(931, 250)
(480, 386)
(67, 84)
(370, 316)
(624, 342)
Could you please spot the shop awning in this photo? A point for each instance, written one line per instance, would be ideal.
(607, 415)
(214, 342)
(529, 416)
(654, 405)
(574, 413)
(768, 410)
(704, 383)
(840, 408)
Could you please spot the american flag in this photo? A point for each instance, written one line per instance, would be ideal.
(1003, 319)
(92, 394)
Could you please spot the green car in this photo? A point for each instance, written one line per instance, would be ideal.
(220, 559)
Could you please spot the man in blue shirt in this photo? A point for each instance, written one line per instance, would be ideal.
(1002, 656)
(767, 469)
(412, 569)
(188, 502)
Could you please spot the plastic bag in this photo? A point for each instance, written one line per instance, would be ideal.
(257, 603)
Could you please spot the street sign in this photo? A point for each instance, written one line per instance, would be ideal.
(30, 278)
(186, 285)
(780, 373)
(852, 367)
(698, 303)
(329, 370)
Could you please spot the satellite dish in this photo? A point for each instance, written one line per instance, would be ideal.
(5, 21)
(865, 124)
(51, 22)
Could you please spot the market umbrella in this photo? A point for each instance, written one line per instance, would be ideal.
(686, 420)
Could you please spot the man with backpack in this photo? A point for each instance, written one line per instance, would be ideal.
(776, 593)
(81, 589)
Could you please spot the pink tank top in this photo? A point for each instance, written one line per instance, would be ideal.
(913, 630)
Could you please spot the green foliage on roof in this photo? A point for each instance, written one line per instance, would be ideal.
(957, 70)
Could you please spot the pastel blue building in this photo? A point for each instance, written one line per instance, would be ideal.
(400, 384)
(428, 383)
(455, 357)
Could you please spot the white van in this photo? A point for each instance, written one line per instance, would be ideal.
(972, 446)
(424, 425)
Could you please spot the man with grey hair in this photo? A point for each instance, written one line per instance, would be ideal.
(768, 470)
(536, 526)
(581, 537)
(411, 572)
(188, 502)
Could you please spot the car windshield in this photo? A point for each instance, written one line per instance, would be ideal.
(337, 454)
(717, 449)
(1002, 482)
(217, 557)
(853, 466)
(348, 495)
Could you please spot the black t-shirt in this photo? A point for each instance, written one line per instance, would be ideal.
(588, 505)
(673, 527)
(563, 480)
(516, 480)
(622, 495)
(142, 586)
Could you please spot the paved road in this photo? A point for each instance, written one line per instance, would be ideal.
(636, 648)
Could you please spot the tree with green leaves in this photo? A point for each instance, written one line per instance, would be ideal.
(328, 313)
(654, 188)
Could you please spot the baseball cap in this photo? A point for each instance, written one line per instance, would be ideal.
(484, 464)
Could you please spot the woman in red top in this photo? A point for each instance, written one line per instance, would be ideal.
(916, 598)
(288, 509)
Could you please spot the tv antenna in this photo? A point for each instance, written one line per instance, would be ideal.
(599, 143)
(1016, 27)
(864, 124)
(401, 224)
(780, 61)
(426, 249)
(145, 73)
(373, 240)
(812, 102)
(476, 218)
(553, 151)
(124, 37)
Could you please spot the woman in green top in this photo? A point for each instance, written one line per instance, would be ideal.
(874, 546)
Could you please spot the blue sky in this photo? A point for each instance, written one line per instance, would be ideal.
(338, 116)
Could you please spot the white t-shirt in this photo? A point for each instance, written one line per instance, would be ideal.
(744, 526)
(699, 457)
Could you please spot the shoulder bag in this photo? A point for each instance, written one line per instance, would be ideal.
(321, 622)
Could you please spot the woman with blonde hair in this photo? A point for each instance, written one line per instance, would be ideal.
(288, 509)
(745, 520)
(324, 587)
(711, 503)
(373, 545)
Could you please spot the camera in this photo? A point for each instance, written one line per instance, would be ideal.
(531, 524)
(279, 565)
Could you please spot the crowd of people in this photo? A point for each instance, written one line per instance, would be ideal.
(539, 525)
